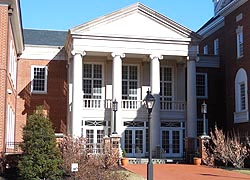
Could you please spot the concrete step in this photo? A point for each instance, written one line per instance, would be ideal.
(155, 161)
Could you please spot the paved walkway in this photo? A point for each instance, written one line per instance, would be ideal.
(186, 172)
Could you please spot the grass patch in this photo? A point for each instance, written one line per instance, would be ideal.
(243, 171)
(130, 175)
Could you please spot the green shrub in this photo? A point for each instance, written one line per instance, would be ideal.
(42, 158)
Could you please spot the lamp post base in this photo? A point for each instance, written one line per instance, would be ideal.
(150, 171)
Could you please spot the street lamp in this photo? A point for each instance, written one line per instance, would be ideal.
(115, 108)
(204, 111)
(149, 103)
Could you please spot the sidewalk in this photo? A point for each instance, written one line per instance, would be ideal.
(186, 172)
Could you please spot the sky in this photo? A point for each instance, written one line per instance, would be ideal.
(64, 14)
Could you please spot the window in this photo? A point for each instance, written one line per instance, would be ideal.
(13, 64)
(92, 85)
(10, 134)
(92, 81)
(201, 85)
(39, 79)
(205, 49)
(166, 88)
(239, 32)
(241, 98)
(129, 82)
(216, 47)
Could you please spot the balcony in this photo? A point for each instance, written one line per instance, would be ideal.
(175, 106)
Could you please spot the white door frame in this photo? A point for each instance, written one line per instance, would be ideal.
(171, 130)
(134, 152)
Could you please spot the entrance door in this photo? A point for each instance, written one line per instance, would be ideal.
(171, 142)
(134, 142)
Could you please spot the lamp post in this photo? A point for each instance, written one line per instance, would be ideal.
(149, 103)
(115, 108)
(204, 111)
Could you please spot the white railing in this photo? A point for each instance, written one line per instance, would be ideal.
(132, 104)
(173, 106)
(97, 104)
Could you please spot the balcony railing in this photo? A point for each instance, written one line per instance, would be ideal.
(132, 104)
(13, 148)
(173, 106)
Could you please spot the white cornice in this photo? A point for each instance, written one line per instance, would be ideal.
(230, 7)
(212, 27)
(16, 21)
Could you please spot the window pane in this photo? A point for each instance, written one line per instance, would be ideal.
(129, 82)
(201, 85)
(242, 97)
(39, 79)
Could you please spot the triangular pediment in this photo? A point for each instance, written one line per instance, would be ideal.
(137, 21)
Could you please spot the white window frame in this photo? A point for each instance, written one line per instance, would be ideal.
(46, 79)
(241, 114)
(93, 94)
(166, 101)
(205, 50)
(131, 96)
(12, 64)
(240, 42)
(205, 85)
(216, 46)
(10, 133)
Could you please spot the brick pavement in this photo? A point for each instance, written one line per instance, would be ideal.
(186, 172)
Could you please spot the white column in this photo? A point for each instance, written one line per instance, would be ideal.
(191, 99)
(69, 98)
(155, 90)
(117, 89)
(77, 100)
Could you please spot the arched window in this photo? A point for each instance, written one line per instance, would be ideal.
(241, 98)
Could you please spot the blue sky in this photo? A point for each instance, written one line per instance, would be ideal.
(63, 15)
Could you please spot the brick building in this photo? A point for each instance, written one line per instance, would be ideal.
(226, 37)
(11, 47)
(77, 74)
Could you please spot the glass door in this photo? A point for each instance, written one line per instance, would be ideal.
(134, 142)
(171, 142)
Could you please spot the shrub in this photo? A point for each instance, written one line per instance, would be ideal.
(229, 148)
(90, 166)
(41, 156)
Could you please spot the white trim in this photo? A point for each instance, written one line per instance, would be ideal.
(240, 41)
(216, 46)
(32, 77)
(241, 115)
(206, 85)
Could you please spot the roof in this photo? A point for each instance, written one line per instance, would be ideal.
(136, 8)
(208, 23)
(44, 37)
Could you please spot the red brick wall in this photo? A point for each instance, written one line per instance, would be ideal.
(216, 83)
(233, 64)
(229, 64)
(3, 73)
(55, 100)
(6, 35)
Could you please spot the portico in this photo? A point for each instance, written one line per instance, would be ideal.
(119, 57)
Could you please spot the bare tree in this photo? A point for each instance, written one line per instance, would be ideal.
(229, 148)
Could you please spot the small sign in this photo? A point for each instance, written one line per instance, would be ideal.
(74, 167)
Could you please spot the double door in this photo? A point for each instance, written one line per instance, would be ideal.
(172, 142)
(134, 142)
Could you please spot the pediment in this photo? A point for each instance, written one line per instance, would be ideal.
(136, 21)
